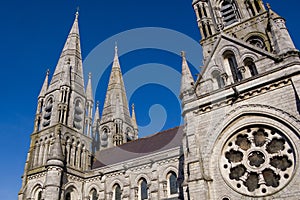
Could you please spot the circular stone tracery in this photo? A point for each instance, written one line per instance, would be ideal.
(257, 161)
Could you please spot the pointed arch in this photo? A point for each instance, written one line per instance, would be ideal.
(93, 195)
(143, 189)
(172, 183)
(142, 178)
(93, 188)
(37, 191)
(71, 192)
(170, 175)
(117, 192)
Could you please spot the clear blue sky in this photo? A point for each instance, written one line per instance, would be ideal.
(33, 34)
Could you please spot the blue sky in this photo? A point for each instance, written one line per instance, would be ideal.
(33, 34)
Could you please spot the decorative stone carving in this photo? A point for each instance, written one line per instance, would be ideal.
(257, 161)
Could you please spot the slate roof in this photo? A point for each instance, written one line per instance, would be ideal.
(141, 147)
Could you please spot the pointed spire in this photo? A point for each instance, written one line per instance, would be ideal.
(116, 63)
(133, 117)
(187, 81)
(97, 115)
(56, 157)
(280, 35)
(45, 85)
(70, 61)
(89, 91)
(116, 104)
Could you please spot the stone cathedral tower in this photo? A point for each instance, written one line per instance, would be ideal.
(242, 114)
(240, 139)
(65, 136)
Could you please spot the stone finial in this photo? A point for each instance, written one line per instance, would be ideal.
(116, 47)
(182, 53)
(89, 90)
(187, 80)
(77, 12)
(45, 85)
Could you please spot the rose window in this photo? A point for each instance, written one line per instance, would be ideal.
(257, 161)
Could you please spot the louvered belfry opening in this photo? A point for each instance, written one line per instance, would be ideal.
(229, 12)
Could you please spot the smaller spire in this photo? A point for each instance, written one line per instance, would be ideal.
(133, 117)
(187, 81)
(97, 115)
(89, 91)
(116, 58)
(45, 85)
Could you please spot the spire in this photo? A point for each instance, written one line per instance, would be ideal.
(56, 155)
(116, 64)
(133, 117)
(45, 85)
(70, 61)
(97, 115)
(281, 37)
(89, 91)
(187, 81)
(116, 105)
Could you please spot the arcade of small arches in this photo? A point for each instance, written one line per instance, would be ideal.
(239, 72)
(75, 151)
(141, 192)
(226, 12)
(41, 151)
(76, 154)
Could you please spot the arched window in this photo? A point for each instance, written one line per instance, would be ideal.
(104, 136)
(218, 79)
(93, 195)
(257, 6)
(105, 132)
(39, 195)
(230, 60)
(248, 62)
(229, 12)
(68, 196)
(143, 189)
(118, 139)
(117, 192)
(172, 182)
(249, 4)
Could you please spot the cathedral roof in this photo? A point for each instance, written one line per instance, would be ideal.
(158, 142)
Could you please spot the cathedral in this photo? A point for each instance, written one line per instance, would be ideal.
(240, 137)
